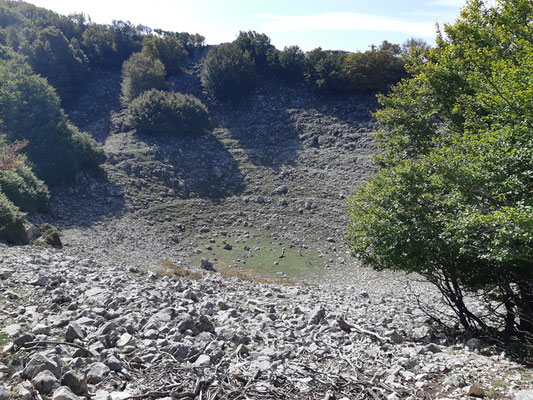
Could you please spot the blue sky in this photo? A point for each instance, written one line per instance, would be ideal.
(331, 24)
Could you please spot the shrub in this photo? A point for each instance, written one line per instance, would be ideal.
(169, 50)
(11, 222)
(258, 46)
(56, 150)
(61, 61)
(228, 73)
(373, 70)
(139, 74)
(292, 63)
(324, 70)
(50, 235)
(22, 188)
(157, 112)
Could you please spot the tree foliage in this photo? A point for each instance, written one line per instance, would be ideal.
(374, 70)
(157, 112)
(452, 199)
(292, 63)
(228, 73)
(258, 46)
(139, 74)
(30, 110)
(169, 50)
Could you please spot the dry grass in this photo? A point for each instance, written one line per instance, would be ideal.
(168, 268)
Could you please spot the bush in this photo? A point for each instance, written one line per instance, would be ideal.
(324, 71)
(167, 113)
(258, 46)
(228, 73)
(56, 150)
(292, 63)
(53, 56)
(22, 188)
(50, 235)
(11, 222)
(373, 70)
(139, 74)
(169, 50)
(452, 199)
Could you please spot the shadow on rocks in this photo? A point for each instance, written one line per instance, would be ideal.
(87, 201)
(195, 166)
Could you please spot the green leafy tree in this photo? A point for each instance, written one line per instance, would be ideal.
(292, 63)
(258, 46)
(228, 73)
(157, 112)
(374, 70)
(169, 50)
(139, 74)
(452, 199)
(325, 71)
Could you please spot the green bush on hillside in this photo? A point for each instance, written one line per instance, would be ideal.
(56, 58)
(292, 63)
(158, 112)
(24, 189)
(257, 45)
(30, 109)
(324, 70)
(139, 74)
(11, 222)
(373, 70)
(169, 50)
(228, 73)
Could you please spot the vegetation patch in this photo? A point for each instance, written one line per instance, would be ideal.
(259, 256)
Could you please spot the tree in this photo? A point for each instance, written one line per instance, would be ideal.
(324, 70)
(374, 70)
(452, 199)
(139, 74)
(169, 50)
(292, 63)
(228, 73)
(258, 46)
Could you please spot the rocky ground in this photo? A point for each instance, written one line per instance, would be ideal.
(124, 311)
(75, 328)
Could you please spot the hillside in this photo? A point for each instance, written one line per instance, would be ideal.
(262, 199)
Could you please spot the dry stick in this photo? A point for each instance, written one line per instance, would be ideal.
(27, 345)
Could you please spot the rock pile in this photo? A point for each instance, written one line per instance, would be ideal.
(76, 329)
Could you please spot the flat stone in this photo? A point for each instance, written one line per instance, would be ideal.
(5, 394)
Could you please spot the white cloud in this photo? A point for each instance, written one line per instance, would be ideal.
(345, 21)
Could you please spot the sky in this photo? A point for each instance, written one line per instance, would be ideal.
(349, 25)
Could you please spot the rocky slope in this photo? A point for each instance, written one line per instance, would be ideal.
(104, 331)
(118, 314)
